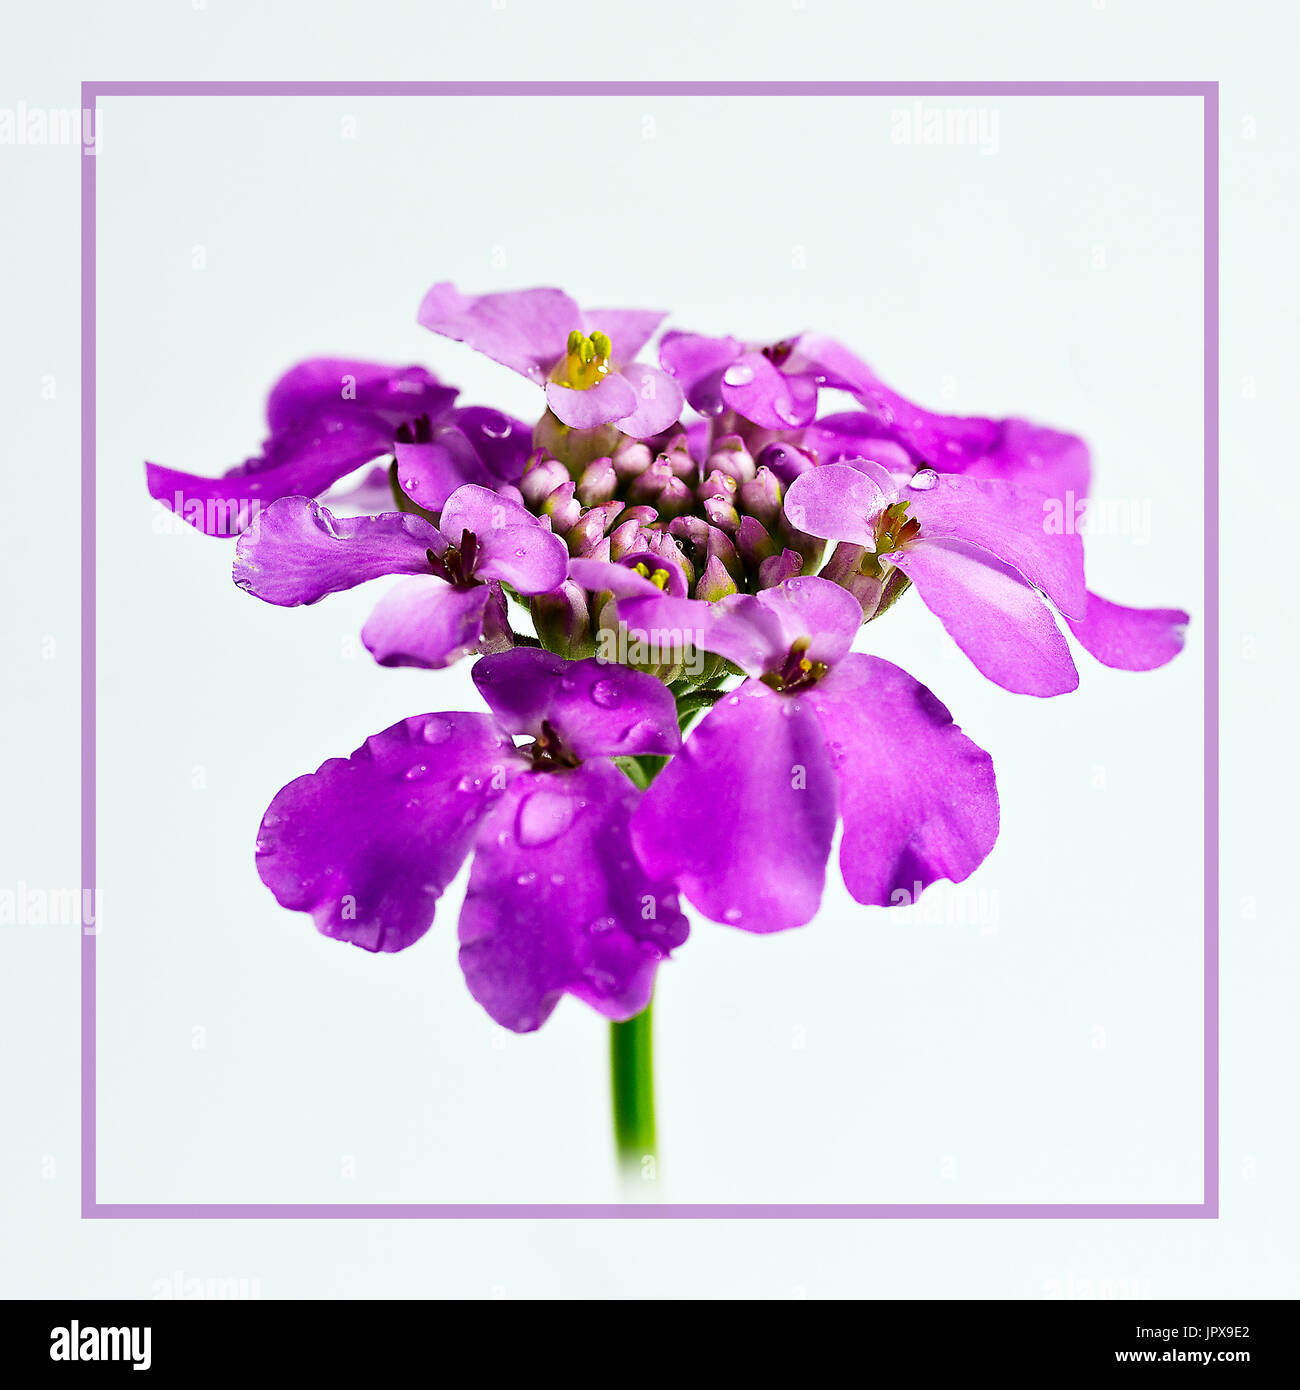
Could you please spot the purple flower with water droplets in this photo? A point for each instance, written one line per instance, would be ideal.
(585, 359)
(773, 385)
(451, 601)
(557, 901)
(743, 817)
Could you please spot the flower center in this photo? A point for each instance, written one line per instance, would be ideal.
(659, 577)
(797, 672)
(777, 353)
(548, 753)
(456, 563)
(585, 362)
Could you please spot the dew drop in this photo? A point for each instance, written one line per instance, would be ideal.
(606, 694)
(738, 375)
(924, 480)
(732, 914)
(436, 729)
(416, 771)
(543, 817)
(557, 880)
(496, 427)
(524, 879)
(601, 925)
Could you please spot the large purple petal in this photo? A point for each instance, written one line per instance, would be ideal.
(424, 621)
(430, 471)
(525, 330)
(997, 619)
(300, 463)
(594, 708)
(513, 545)
(739, 628)
(659, 400)
(367, 844)
(1130, 639)
(501, 441)
(297, 551)
(742, 817)
(1007, 521)
(918, 798)
(338, 386)
(1048, 461)
(610, 399)
(698, 363)
(824, 615)
(557, 903)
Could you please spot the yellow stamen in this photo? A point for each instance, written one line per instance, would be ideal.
(586, 360)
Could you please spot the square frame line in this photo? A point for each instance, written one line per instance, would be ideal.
(1207, 1208)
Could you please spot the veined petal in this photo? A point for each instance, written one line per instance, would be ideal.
(742, 817)
(557, 903)
(838, 503)
(998, 620)
(513, 545)
(698, 363)
(525, 330)
(297, 551)
(738, 628)
(424, 621)
(1130, 639)
(757, 389)
(1008, 521)
(367, 844)
(339, 386)
(918, 798)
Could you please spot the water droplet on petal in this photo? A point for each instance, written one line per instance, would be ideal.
(436, 729)
(496, 426)
(924, 480)
(732, 914)
(738, 375)
(524, 879)
(544, 816)
(415, 771)
(557, 880)
(606, 694)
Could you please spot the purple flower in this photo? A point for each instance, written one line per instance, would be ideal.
(296, 552)
(585, 359)
(742, 818)
(982, 558)
(772, 385)
(557, 903)
(329, 416)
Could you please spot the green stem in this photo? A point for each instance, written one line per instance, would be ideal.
(631, 1070)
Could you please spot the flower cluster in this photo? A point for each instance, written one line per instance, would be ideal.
(663, 579)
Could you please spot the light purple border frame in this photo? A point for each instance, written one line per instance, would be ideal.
(1206, 1209)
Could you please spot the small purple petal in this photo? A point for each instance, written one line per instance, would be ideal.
(837, 503)
(513, 545)
(659, 400)
(738, 628)
(615, 577)
(501, 441)
(610, 399)
(1130, 639)
(426, 622)
(919, 799)
(557, 903)
(997, 619)
(297, 551)
(367, 844)
(698, 363)
(525, 330)
(430, 472)
(594, 708)
(628, 330)
(742, 817)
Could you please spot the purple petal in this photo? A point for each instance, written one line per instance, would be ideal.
(594, 708)
(513, 545)
(628, 330)
(1130, 639)
(742, 818)
(764, 394)
(837, 503)
(306, 462)
(297, 551)
(367, 844)
(739, 628)
(1049, 461)
(557, 903)
(501, 441)
(993, 615)
(1007, 521)
(855, 434)
(815, 611)
(919, 799)
(525, 330)
(617, 578)
(610, 399)
(424, 621)
(659, 400)
(698, 363)
(337, 387)
(430, 472)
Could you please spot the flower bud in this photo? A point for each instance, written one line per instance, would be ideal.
(761, 496)
(715, 582)
(563, 621)
(591, 527)
(631, 458)
(543, 475)
(786, 461)
(598, 483)
(563, 508)
(776, 569)
(855, 568)
(730, 457)
(754, 542)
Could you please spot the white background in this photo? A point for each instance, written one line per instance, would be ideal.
(865, 1058)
